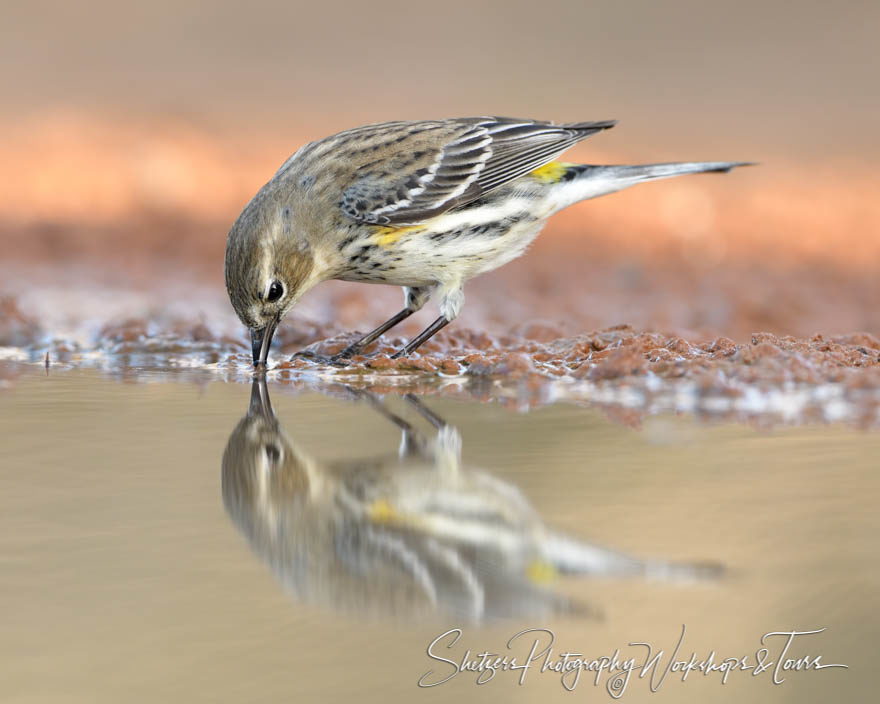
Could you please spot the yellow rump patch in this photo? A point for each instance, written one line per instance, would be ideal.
(541, 572)
(381, 511)
(387, 236)
(550, 173)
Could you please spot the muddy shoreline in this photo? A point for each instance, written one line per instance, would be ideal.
(627, 372)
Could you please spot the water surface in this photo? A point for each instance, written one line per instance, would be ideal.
(177, 540)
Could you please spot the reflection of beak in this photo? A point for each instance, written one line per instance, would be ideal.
(260, 403)
(261, 340)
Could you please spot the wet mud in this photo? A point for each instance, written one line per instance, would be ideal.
(626, 371)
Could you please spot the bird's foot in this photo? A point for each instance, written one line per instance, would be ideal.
(346, 354)
(335, 360)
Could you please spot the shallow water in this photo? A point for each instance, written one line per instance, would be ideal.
(178, 538)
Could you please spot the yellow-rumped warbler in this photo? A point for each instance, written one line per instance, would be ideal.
(409, 534)
(424, 205)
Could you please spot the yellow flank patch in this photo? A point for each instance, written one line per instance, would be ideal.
(387, 236)
(541, 572)
(550, 173)
(381, 511)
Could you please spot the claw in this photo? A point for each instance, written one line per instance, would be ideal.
(347, 353)
(338, 361)
(335, 361)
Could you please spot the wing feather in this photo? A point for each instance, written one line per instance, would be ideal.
(434, 167)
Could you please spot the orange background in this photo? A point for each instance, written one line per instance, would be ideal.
(134, 135)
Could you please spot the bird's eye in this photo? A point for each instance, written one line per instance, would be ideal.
(273, 454)
(276, 290)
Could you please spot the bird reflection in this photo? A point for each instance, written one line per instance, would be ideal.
(414, 534)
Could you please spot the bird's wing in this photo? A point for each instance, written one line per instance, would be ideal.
(418, 170)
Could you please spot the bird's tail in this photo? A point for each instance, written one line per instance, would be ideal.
(570, 556)
(585, 181)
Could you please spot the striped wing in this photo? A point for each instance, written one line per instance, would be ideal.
(431, 167)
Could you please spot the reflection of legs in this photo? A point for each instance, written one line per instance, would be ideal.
(412, 442)
(415, 299)
(378, 406)
(447, 444)
(425, 412)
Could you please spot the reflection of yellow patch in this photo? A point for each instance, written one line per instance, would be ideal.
(387, 236)
(381, 511)
(541, 572)
(550, 173)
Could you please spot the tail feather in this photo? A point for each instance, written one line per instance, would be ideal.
(591, 181)
(569, 556)
(649, 172)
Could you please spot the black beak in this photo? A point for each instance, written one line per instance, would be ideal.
(261, 340)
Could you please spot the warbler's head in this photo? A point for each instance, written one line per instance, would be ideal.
(265, 476)
(269, 265)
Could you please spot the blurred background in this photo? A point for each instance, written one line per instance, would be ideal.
(133, 134)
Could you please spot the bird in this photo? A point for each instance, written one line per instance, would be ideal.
(413, 534)
(424, 205)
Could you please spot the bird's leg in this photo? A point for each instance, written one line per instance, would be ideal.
(358, 345)
(422, 337)
(415, 298)
(450, 305)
